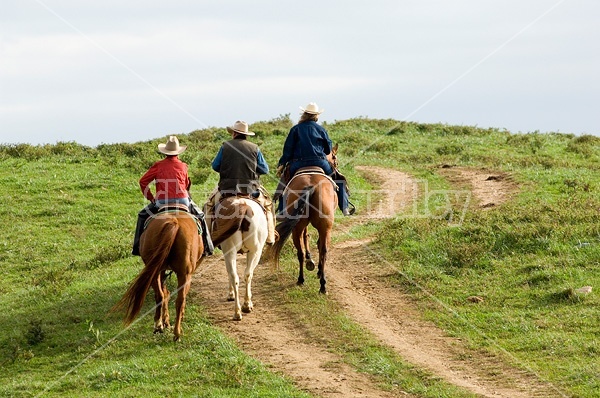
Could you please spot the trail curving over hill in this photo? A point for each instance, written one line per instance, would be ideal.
(358, 280)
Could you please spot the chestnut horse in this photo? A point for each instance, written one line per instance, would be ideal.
(240, 227)
(170, 242)
(311, 200)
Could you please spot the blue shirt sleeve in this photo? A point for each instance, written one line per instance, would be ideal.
(261, 164)
(216, 163)
(328, 144)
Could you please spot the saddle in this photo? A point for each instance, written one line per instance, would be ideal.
(227, 220)
(175, 208)
(309, 170)
(243, 196)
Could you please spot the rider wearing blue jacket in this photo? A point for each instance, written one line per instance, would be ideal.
(308, 144)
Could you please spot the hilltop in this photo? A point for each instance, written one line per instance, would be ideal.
(500, 276)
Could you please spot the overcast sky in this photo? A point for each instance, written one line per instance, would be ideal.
(126, 71)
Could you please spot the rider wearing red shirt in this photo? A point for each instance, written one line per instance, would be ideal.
(172, 184)
(172, 181)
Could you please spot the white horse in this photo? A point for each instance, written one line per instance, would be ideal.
(241, 227)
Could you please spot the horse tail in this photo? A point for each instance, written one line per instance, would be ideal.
(232, 224)
(134, 297)
(285, 228)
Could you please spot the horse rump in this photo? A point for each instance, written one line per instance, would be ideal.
(160, 242)
(230, 218)
(285, 227)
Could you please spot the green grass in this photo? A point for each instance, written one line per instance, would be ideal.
(65, 254)
(68, 216)
(525, 258)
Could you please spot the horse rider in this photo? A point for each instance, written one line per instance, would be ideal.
(172, 184)
(308, 144)
(239, 163)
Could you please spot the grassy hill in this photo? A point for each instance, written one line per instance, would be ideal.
(68, 214)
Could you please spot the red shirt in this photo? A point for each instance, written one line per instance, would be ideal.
(171, 178)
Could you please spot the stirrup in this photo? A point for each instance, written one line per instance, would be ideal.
(350, 210)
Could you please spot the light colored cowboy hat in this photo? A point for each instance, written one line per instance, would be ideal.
(240, 127)
(172, 147)
(312, 108)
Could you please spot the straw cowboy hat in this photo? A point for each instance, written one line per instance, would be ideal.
(240, 127)
(312, 108)
(172, 147)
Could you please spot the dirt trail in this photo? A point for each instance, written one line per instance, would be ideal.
(490, 188)
(358, 278)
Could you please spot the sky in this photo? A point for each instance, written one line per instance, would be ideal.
(129, 70)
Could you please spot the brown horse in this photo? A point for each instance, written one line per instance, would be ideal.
(311, 200)
(170, 242)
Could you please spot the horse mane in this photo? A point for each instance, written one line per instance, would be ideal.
(285, 228)
(133, 300)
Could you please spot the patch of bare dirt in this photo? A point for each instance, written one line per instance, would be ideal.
(359, 279)
(489, 188)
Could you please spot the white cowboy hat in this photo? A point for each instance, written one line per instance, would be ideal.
(240, 127)
(172, 147)
(312, 108)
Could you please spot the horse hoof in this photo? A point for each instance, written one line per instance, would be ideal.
(310, 266)
(176, 339)
(158, 330)
(237, 317)
(246, 309)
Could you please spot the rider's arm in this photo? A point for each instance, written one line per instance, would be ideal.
(146, 179)
(216, 163)
(327, 145)
(261, 164)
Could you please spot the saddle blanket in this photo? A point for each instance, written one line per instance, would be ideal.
(309, 172)
(174, 210)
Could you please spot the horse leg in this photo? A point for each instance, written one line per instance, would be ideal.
(310, 264)
(252, 259)
(323, 248)
(183, 282)
(159, 300)
(300, 252)
(230, 254)
(319, 268)
(165, 303)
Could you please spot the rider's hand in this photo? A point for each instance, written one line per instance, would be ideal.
(279, 171)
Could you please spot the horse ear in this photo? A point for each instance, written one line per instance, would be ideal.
(334, 149)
